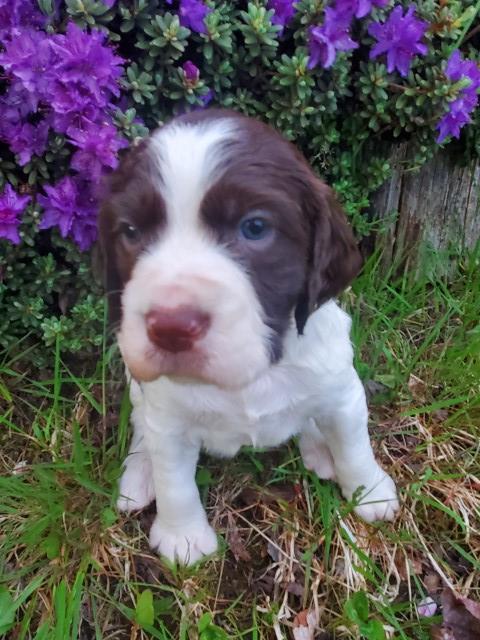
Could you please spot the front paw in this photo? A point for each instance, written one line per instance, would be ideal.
(136, 489)
(185, 545)
(379, 501)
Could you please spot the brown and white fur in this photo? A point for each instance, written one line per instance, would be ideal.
(231, 340)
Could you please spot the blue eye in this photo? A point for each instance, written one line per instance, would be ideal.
(254, 228)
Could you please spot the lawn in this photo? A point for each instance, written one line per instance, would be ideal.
(71, 567)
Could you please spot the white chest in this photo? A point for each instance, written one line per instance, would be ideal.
(263, 415)
(224, 435)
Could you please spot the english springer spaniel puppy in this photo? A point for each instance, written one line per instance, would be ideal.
(223, 255)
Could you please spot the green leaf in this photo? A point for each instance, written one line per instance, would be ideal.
(46, 6)
(127, 26)
(60, 610)
(209, 631)
(164, 606)
(373, 630)
(204, 622)
(108, 517)
(213, 633)
(42, 632)
(144, 612)
(51, 546)
(203, 478)
(5, 393)
(356, 607)
(7, 610)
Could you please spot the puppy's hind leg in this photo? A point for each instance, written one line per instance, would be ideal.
(345, 430)
(315, 453)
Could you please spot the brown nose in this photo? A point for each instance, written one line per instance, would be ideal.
(177, 329)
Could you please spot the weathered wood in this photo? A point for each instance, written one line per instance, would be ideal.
(437, 207)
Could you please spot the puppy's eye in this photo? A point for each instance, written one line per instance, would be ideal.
(130, 232)
(255, 228)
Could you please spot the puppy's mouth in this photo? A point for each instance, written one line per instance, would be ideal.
(192, 367)
(184, 365)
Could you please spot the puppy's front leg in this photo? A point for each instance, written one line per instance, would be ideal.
(180, 530)
(345, 430)
(136, 489)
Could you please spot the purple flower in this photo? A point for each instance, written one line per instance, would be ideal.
(451, 123)
(284, 11)
(70, 206)
(109, 3)
(60, 205)
(459, 110)
(399, 38)
(11, 206)
(74, 108)
(18, 102)
(26, 140)
(28, 58)
(191, 73)
(207, 98)
(98, 148)
(85, 61)
(74, 76)
(83, 80)
(19, 13)
(332, 36)
(458, 68)
(84, 228)
(192, 15)
(84, 225)
(357, 8)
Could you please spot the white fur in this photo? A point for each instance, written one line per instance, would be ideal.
(313, 391)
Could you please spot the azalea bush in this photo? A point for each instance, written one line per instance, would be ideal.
(81, 79)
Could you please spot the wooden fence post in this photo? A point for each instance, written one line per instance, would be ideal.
(438, 207)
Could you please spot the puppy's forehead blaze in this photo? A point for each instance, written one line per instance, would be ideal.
(189, 159)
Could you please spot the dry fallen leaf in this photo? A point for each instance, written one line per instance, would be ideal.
(304, 625)
(236, 542)
(374, 388)
(461, 618)
(431, 582)
(273, 551)
(274, 494)
(414, 565)
(417, 388)
(296, 588)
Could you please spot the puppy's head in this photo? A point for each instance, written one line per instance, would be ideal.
(216, 233)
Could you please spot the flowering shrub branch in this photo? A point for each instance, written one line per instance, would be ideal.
(66, 84)
(79, 79)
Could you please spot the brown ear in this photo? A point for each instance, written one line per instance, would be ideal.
(334, 258)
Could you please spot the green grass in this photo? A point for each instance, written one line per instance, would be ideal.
(71, 567)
